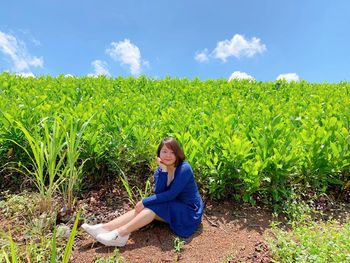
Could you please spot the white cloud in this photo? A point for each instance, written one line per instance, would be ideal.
(100, 68)
(68, 76)
(202, 56)
(127, 53)
(240, 75)
(238, 47)
(16, 50)
(26, 74)
(92, 75)
(288, 77)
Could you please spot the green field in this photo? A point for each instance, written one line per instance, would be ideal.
(269, 141)
(241, 137)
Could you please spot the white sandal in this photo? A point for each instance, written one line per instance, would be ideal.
(112, 239)
(94, 230)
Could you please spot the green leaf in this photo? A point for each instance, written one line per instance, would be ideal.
(70, 242)
(54, 247)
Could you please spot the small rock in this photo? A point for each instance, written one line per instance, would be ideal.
(63, 231)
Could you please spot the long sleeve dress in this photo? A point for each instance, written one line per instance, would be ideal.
(180, 203)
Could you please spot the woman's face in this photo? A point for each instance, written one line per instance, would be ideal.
(167, 156)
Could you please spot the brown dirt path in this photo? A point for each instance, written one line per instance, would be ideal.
(228, 232)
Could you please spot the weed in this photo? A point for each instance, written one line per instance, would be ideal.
(178, 244)
(46, 158)
(298, 210)
(115, 258)
(134, 196)
(312, 242)
(19, 205)
(43, 251)
(73, 173)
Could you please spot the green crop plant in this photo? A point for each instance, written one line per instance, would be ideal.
(242, 138)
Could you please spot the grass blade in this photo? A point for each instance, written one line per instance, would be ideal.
(54, 247)
(70, 243)
(13, 249)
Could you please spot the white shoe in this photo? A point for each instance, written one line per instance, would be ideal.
(112, 239)
(94, 230)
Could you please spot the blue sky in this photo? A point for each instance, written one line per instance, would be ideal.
(261, 39)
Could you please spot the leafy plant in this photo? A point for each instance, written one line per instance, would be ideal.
(243, 139)
(178, 244)
(13, 256)
(115, 258)
(311, 242)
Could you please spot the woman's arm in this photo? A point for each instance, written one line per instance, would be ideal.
(179, 183)
(159, 185)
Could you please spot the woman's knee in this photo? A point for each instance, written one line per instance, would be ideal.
(149, 212)
(154, 215)
(159, 218)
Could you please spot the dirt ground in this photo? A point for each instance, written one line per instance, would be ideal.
(229, 233)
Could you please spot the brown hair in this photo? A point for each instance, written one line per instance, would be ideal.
(173, 145)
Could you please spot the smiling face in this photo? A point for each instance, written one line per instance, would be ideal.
(168, 156)
(170, 152)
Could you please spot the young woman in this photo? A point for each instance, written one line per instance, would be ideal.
(176, 201)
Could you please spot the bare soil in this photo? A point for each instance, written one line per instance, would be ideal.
(228, 233)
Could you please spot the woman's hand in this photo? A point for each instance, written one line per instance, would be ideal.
(161, 165)
(139, 206)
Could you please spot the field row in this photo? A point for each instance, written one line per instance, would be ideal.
(241, 137)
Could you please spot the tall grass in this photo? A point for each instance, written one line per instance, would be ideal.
(73, 170)
(13, 256)
(135, 193)
(55, 155)
(69, 246)
(54, 151)
(47, 158)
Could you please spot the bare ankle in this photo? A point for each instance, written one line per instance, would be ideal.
(123, 232)
(108, 228)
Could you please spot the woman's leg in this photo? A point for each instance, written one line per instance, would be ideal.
(120, 221)
(119, 236)
(159, 219)
(141, 219)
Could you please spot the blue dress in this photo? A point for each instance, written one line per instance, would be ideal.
(179, 204)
